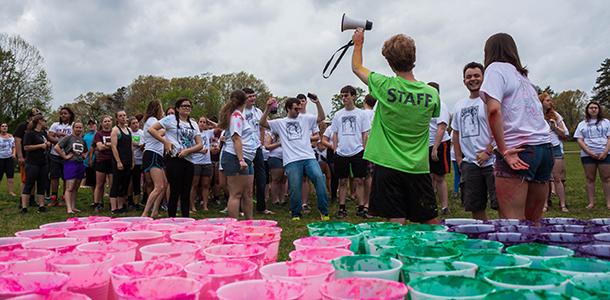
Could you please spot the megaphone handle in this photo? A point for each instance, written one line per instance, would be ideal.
(344, 48)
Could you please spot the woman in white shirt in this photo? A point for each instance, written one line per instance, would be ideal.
(7, 157)
(153, 163)
(592, 136)
(524, 155)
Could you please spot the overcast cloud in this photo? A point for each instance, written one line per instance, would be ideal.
(102, 45)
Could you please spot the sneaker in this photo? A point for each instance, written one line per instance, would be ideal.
(363, 214)
(296, 219)
(42, 209)
(342, 213)
(224, 211)
(324, 218)
(164, 207)
(23, 210)
(445, 210)
(306, 209)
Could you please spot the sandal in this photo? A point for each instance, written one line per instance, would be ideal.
(590, 206)
(564, 209)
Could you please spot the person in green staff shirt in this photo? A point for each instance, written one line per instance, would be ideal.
(398, 140)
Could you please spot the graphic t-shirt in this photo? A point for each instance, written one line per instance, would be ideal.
(435, 122)
(103, 137)
(522, 115)
(328, 132)
(182, 135)
(150, 142)
(206, 138)
(253, 116)
(61, 130)
(349, 126)
(137, 138)
(6, 146)
(295, 135)
(370, 114)
(241, 127)
(399, 135)
(470, 120)
(277, 152)
(38, 156)
(555, 141)
(88, 138)
(73, 144)
(594, 135)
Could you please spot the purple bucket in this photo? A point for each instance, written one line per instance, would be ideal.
(474, 230)
(601, 251)
(579, 229)
(601, 238)
(510, 238)
(460, 221)
(564, 239)
(562, 221)
(600, 222)
(508, 222)
(525, 229)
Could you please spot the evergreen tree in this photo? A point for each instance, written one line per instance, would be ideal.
(601, 91)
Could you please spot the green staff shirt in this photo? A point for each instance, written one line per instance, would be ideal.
(399, 134)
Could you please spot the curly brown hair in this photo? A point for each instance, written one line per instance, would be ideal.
(399, 51)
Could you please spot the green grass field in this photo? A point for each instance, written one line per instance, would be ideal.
(11, 221)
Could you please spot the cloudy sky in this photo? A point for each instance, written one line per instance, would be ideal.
(102, 45)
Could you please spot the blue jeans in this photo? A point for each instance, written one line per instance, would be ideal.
(294, 172)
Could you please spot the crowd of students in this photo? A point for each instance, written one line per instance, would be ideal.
(392, 156)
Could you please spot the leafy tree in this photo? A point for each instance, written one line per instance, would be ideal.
(92, 105)
(23, 80)
(570, 105)
(337, 102)
(601, 91)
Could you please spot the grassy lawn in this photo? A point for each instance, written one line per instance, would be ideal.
(11, 221)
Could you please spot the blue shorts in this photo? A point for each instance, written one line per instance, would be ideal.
(588, 160)
(275, 163)
(230, 165)
(152, 160)
(538, 157)
(557, 153)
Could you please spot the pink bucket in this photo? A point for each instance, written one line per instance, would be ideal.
(176, 221)
(118, 226)
(11, 243)
(32, 282)
(166, 228)
(160, 288)
(42, 233)
(181, 253)
(363, 288)
(88, 272)
(214, 274)
(271, 244)
(317, 242)
(318, 254)
(90, 219)
(122, 250)
(226, 222)
(203, 239)
(142, 269)
(68, 225)
(265, 289)
(143, 238)
(91, 235)
(253, 253)
(312, 275)
(255, 223)
(204, 227)
(134, 220)
(59, 245)
(25, 260)
(271, 232)
(61, 295)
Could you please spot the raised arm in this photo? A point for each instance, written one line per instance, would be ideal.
(265, 117)
(314, 99)
(361, 72)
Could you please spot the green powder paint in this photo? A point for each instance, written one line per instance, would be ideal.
(536, 249)
(451, 286)
(490, 260)
(578, 264)
(526, 295)
(475, 246)
(526, 277)
(424, 227)
(362, 263)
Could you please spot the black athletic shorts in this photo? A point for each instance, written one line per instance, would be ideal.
(104, 166)
(443, 165)
(152, 160)
(7, 166)
(355, 163)
(396, 194)
(56, 167)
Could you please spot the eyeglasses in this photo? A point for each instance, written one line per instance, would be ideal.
(186, 106)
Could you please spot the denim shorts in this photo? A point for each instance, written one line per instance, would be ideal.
(275, 163)
(557, 153)
(230, 165)
(538, 157)
(588, 160)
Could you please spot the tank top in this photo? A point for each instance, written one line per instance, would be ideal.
(123, 146)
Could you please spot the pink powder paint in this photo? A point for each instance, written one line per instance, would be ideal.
(322, 242)
(270, 242)
(32, 282)
(143, 238)
(142, 269)
(42, 233)
(318, 254)
(253, 253)
(24, 260)
(181, 253)
(114, 225)
(88, 272)
(69, 225)
(160, 288)
(90, 219)
(60, 295)
(123, 251)
(364, 288)
(255, 223)
(58, 245)
(11, 243)
(91, 235)
(214, 274)
(271, 289)
(312, 275)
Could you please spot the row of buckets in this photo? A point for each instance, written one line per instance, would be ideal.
(222, 258)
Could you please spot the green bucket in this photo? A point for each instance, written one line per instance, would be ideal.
(410, 255)
(335, 225)
(433, 238)
(389, 246)
(375, 233)
(424, 227)
(526, 295)
(370, 266)
(475, 246)
(572, 266)
(448, 287)
(583, 286)
(438, 268)
(352, 234)
(378, 225)
(539, 252)
(494, 261)
(527, 279)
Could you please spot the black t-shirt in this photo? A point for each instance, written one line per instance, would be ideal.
(20, 133)
(38, 156)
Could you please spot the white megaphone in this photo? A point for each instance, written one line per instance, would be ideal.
(348, 23)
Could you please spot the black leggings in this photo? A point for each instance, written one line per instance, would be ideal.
(7, 166)
(136, 182)
(180, 176)
(120, 180)
(36, 174)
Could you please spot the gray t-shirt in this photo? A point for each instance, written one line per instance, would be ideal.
(73, 144)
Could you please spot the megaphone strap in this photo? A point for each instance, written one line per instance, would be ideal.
(344, 48)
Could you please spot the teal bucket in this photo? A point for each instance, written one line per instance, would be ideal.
(424, 227)
(410, 255)
(352, 234)
(539, 252)
(448, 287)
(526, 295)
(583, 286)
(433, 238)
(369, 266)
(572, 266)
(319, 226)
(367, 235)
(470, 246)
(378, 225)
(438, 268)
(527, 279)
(494, 261)
(389, 246)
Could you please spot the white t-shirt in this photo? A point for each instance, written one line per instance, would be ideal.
(349, 126)
(62, 130)
(182, 136)
(295, 135)
(253, 116)
(277, 152)
(328, 132)
(522, 115)
(370, 114)
(150, 142)
(594, 135)
(238, 125)
(470, 120)
(6, 147)
(434, 122)
(201, 158)
(137, 138)
(555, 141)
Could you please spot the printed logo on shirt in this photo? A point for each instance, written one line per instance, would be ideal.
(253, 122)
(469, 122)
(186, 135)
(78, 148)
(294, 131)
(348, 125)
(594, 131)
(135, 138)
(526, 102)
